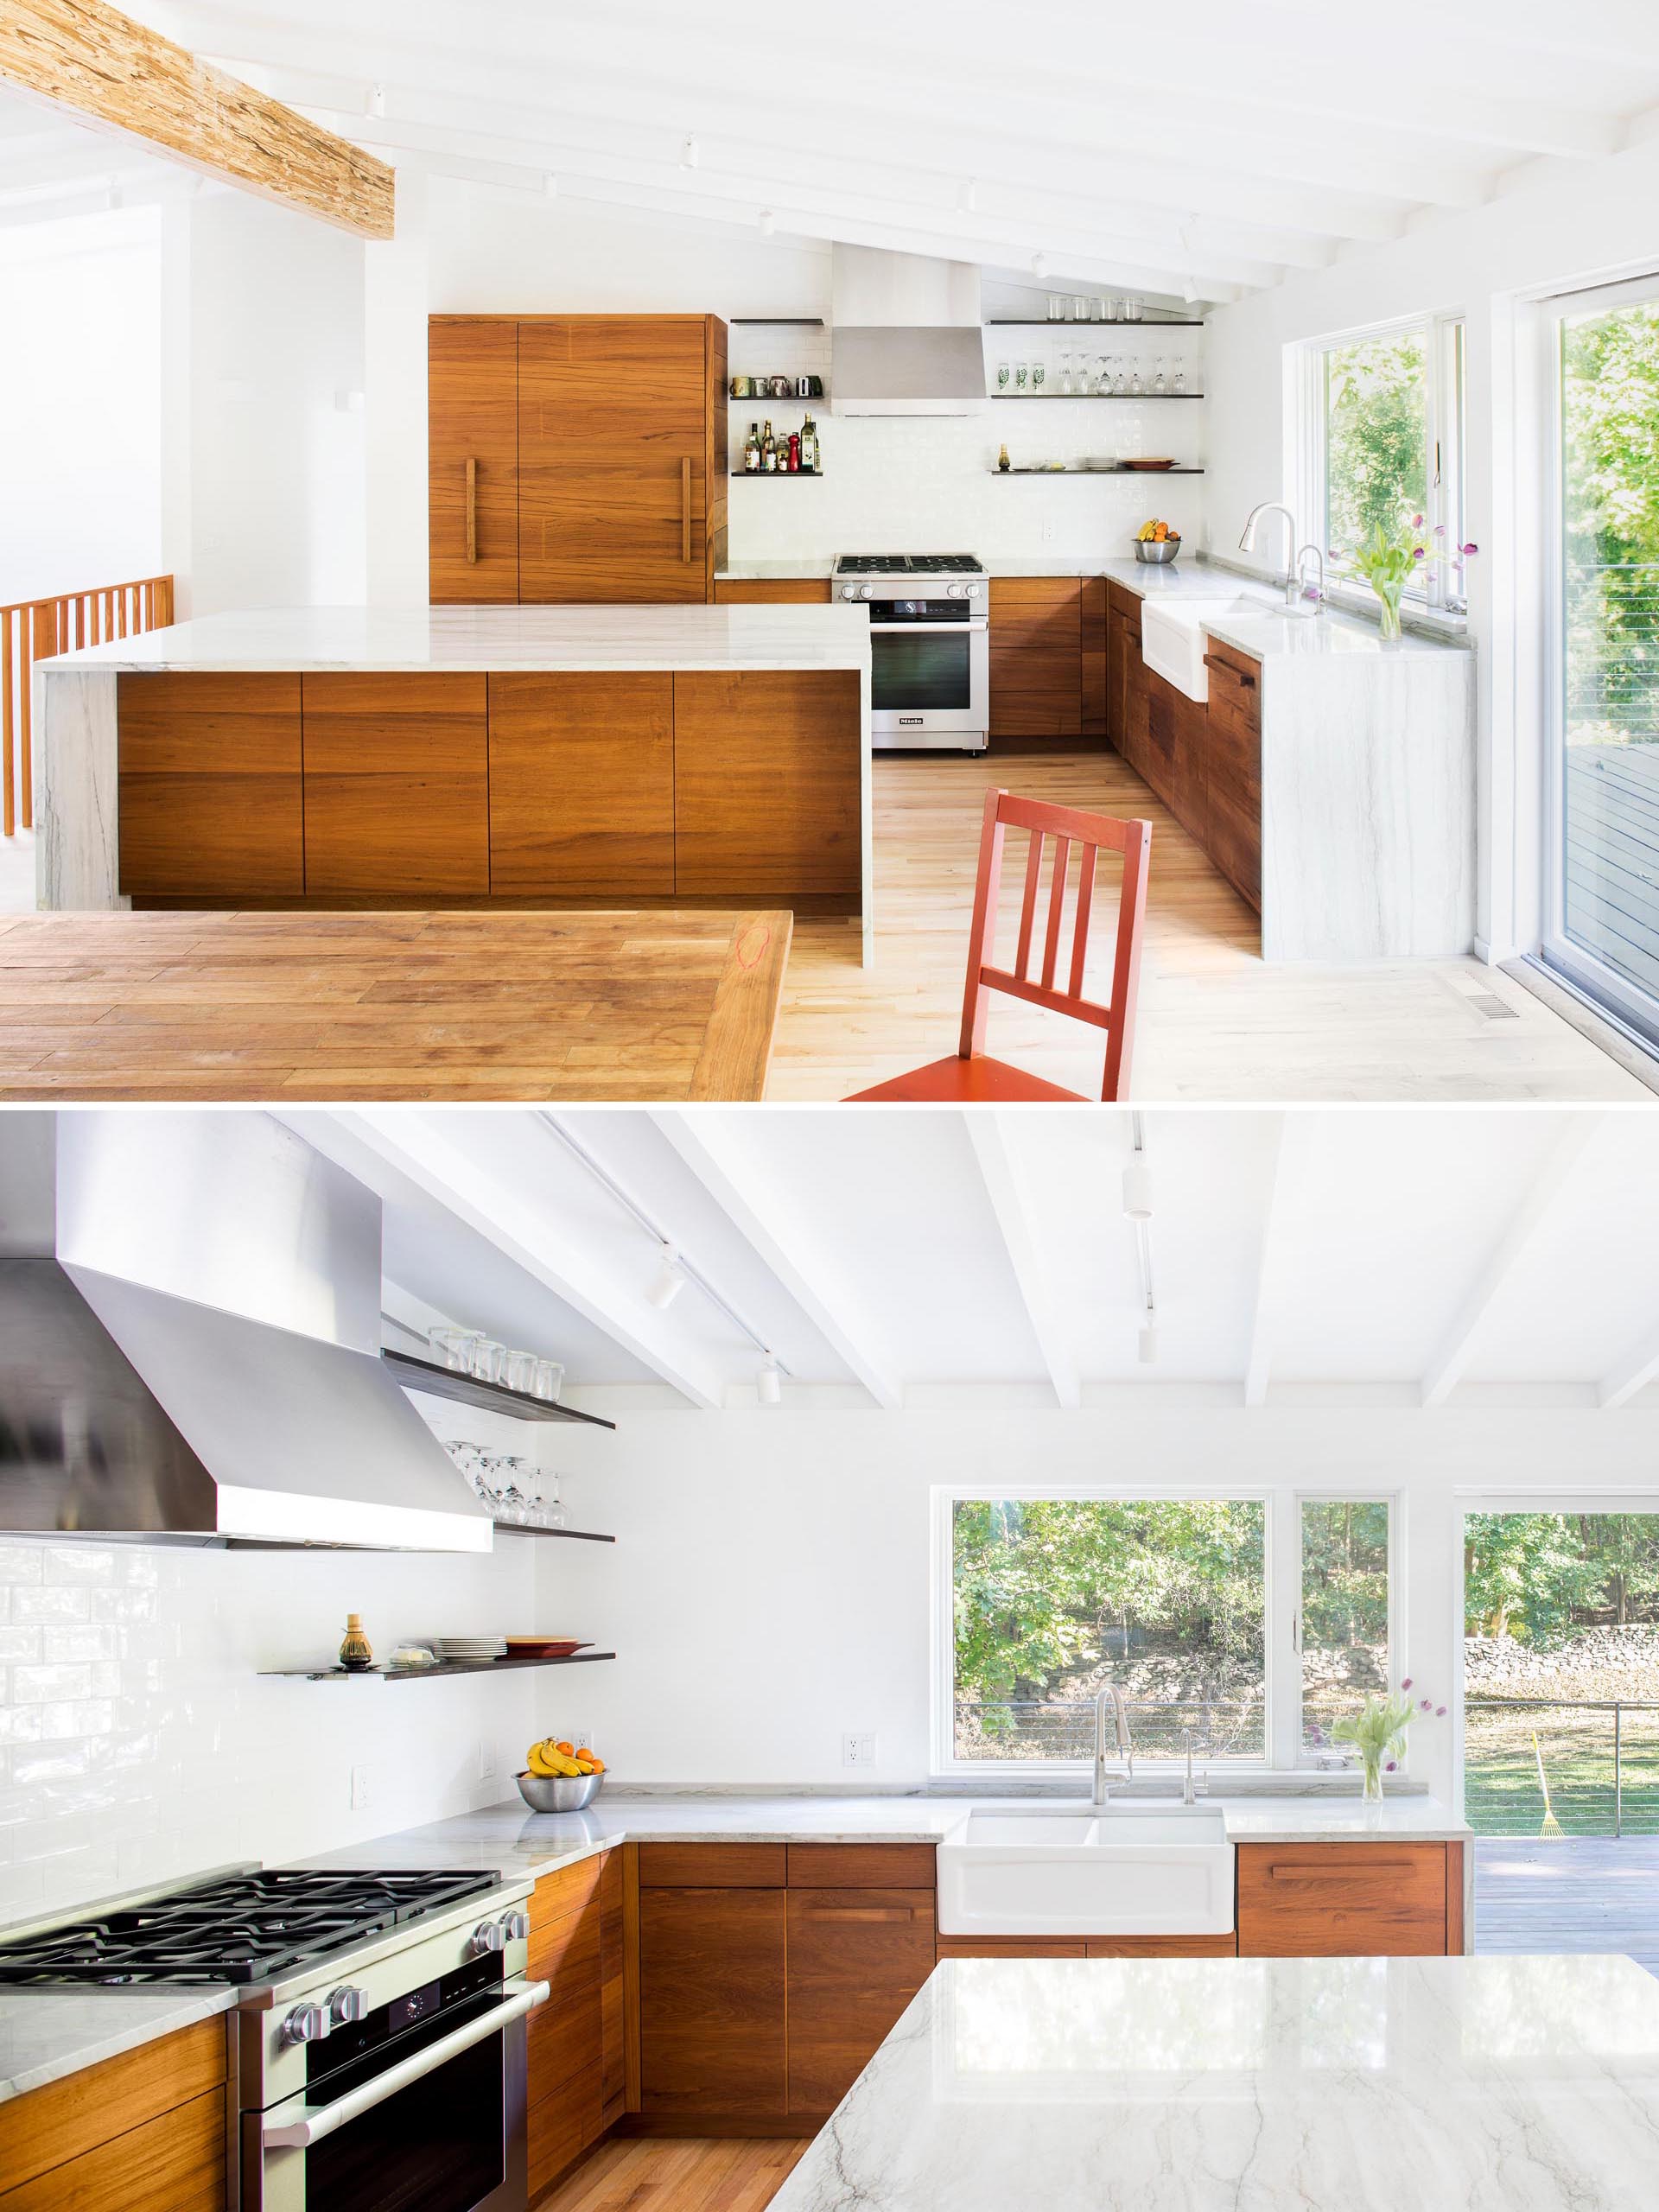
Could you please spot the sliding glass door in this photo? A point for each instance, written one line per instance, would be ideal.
(1603, 895)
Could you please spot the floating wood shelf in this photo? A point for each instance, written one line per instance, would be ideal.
(1067, 322)
(749, 475)
(472, 1390)
(1149, 476)
(426, 1674)
(571, 1536)
(779, 321)
(1139, 399)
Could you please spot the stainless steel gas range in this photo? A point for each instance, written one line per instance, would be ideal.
(930, 646)
(379, 2039)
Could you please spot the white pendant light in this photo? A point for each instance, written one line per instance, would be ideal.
(768, 222)
(1137, 1189)
(769, 1382)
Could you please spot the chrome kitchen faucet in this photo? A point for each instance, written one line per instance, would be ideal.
(1125, 1746)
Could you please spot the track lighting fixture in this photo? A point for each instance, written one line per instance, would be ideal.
(1148, 1346)
(1039, 267)
(1137, 1189)
(769, 1382)
(768, 222)
(691, 153)
(551, 186)
(968, 198)
(377, 99)
(669, 1279)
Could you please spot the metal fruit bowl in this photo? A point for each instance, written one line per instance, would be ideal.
(1156, 555)
(559, 1793)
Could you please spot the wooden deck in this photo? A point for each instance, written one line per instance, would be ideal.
(1612, 857)
(1586, 1893)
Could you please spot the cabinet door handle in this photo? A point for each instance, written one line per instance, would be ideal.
(1292, 1870)
(859, 1912)
(472, 513)
(685, 507)
(1226, 668)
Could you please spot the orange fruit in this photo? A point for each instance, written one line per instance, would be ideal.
(570, 1749)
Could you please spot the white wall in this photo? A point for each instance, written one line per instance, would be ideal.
(272, 505)
(1558, 225)
(769, 1590)
(81, 374)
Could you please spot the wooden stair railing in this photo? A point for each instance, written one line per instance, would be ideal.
(34, 629)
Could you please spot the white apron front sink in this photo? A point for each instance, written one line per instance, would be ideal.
(1131, 1870)
(1174, 638)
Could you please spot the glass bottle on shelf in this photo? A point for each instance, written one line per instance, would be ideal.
(752, 451)
(769, 452)
(810, 445)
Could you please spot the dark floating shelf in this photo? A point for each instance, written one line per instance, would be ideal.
(571, 1536)
(748, 475)
(780, 322)
(1135, 398)
(1149, 476)
(472, 1390)
(426, 1674)
(1068, 322)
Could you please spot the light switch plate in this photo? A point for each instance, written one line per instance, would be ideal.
(362, 1788)
(485, 1759)
(858, 1750)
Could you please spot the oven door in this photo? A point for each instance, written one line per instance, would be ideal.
(930, 683)
(438, 2127)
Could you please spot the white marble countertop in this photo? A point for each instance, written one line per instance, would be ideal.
(47, 2033)
(463, 639)
(751, 572)
(1254, 2085)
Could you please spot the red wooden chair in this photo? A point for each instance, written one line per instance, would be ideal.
(969, 1075)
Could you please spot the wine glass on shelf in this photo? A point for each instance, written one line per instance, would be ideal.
(1039, 372)
(1021, 374)
(1002, 375)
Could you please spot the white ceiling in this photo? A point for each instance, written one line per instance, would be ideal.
(1214, 145)
(1418, 1255)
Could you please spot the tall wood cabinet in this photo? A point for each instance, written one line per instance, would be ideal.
(576, 459)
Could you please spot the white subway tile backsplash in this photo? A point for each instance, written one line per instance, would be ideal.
(20, 1563)
(42, 1685)
(76, 1643)
(19, 1644)
(82, 1716)
(78, 1564)
(51, 1605)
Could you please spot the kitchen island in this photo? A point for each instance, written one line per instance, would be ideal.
(422, 757)
(1253, 2085)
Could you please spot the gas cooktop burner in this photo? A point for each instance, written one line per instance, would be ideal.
(909, 565)
(248, 1927)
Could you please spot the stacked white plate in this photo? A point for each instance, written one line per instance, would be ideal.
(471, 1647)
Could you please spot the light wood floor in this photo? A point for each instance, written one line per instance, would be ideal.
(1216, 1023)
(645, 2175)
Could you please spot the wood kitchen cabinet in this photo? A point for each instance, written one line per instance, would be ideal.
(576, 459)
(209, 794)
(1088, 1947)
(1036, 656)
(1350, 1900)
(142, 2132)
(1093, 619)
(397, 786)
(471, 382)
(581, 786)
(774, 591)
(856, 1958)
(575, 2056)
(1233, 795)
(766, 784)
(712, 1996)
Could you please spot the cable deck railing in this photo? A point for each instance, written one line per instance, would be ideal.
(1601, 1775)
(34, 629)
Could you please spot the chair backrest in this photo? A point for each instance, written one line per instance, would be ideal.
(1067, 826)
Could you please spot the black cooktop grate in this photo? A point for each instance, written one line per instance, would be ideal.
(908, 564)
(247, 1927)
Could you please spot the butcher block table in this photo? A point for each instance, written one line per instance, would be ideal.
(467, 1005)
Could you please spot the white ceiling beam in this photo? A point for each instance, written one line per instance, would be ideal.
(713, 1149)
(1542, 1192)
(1626, 1376)
(1286, 1177)
(383, 1150)
(880, 126)
(1004, 1188)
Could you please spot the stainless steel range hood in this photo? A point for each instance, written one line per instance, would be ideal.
(907, 336)
(189, 1319)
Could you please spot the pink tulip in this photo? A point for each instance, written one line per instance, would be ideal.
(1416, 522)
(1426, 1705)
(1440, 1713)
(1406, 1685)
(1389, 1765)
(1468, 549)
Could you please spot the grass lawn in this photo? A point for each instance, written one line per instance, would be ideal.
(1501, 1776)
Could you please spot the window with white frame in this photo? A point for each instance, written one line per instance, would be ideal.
(1382, 438)
(1247, 1624)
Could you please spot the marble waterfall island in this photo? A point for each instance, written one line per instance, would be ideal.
(466, 756)
(1253, 2085)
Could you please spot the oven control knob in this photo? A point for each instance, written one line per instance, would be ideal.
(306, 2024)
(489, 1936)
(867, 591)
(954, 591)
(972, 590)
(515, 1926)
(348, 2007)
(849, 591)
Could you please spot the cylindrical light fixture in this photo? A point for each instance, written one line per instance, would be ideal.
(769, 1382)
(669, 1279)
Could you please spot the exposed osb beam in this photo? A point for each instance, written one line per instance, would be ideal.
(123, 77)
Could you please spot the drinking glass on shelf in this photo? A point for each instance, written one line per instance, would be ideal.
(1134, 310)
(1056, 306)
(1039, 370)
(1159, 380)
(488, 1353)
(447, 1344)
(518, 1371)
(1021, 373)
(1113, 307)
(1097, 310)
(1102, 373)
(1003, 373)
(1080, 309)
(1179, 381)
(549, 1378)
(553, 1510)
(1134, 381)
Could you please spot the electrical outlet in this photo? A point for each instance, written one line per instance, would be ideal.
(485, 1759)
(362, 1788)
(858, 1750)
(1048, 530)
(578, 1735)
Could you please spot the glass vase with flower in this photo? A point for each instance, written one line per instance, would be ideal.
(1389, 558)
(1377, 1732)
